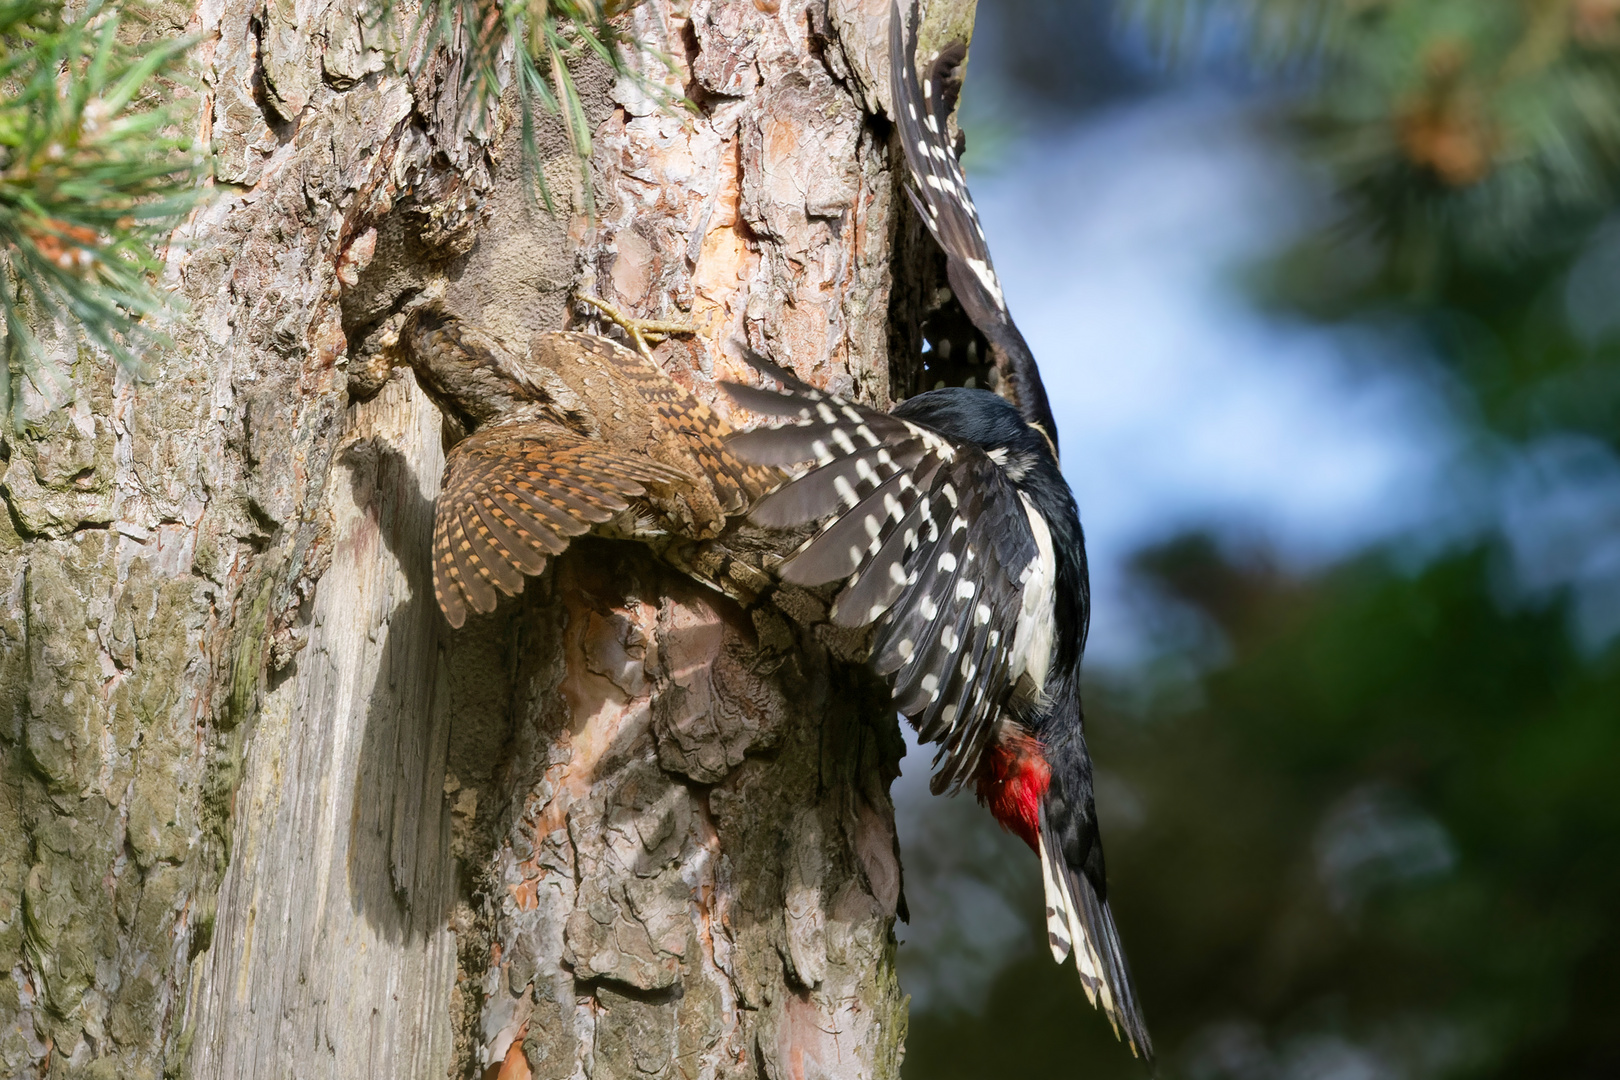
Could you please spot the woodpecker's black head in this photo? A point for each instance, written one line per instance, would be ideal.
(987, 420)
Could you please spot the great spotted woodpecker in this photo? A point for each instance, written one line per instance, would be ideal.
(952, 528)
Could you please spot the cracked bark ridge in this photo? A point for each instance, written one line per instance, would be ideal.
(699, 877)
(261, 815)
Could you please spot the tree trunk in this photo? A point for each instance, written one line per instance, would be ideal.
(263, 813)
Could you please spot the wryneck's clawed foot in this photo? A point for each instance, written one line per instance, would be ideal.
(640, 331)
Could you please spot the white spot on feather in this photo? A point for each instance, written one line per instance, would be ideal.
(987, 278)
(1036, 632)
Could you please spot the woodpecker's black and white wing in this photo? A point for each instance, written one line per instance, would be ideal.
(933, 542)
(922, 113)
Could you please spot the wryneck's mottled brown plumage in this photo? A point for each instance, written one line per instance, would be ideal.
(579, 433)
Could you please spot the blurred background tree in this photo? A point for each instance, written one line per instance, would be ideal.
(1359, 809)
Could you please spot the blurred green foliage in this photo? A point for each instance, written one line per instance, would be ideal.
(1474, 149)
(1379, 835)
(1387, 835)
(1456, 128)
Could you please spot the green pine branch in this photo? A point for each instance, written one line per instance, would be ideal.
(94, 176)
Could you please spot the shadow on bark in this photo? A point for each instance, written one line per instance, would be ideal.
(401, 823)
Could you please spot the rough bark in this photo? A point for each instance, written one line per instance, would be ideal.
(263, 814)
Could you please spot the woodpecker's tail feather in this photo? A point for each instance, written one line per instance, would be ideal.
(1078, 921)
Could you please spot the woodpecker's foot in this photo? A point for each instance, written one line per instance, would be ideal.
(640, 331)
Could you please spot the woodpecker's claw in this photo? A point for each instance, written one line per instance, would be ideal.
(640, 331)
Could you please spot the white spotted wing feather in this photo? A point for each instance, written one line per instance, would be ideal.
(941, 195)
(932, 542)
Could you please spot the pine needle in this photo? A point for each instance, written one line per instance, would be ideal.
(94, 176)
(554, 36)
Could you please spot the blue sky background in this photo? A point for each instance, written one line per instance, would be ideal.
(1122, 241)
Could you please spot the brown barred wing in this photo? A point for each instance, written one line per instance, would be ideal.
(517, 493)
(700, 429)
(930, 539)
